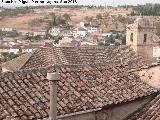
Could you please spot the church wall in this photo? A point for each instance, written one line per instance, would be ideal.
(142, 46)
(147, 53)
(140, 37)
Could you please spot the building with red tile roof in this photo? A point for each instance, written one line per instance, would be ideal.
(150, 111)
(81, 55)
(82, 89)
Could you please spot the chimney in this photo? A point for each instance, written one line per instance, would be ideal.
(53, 78)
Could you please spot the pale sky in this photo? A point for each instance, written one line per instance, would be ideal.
(87, 2)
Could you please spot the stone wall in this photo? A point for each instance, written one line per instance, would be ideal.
(135, 37)
(117, 112)
(144, 49)
(147, 53)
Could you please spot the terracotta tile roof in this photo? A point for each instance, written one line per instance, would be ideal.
(82, 55)
(150, 112)
(25, 94)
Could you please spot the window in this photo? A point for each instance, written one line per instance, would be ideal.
(145, 38)
(131, 37)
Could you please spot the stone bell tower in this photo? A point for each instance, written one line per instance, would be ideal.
(141, 37)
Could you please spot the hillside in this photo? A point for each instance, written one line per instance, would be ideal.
(77, 15)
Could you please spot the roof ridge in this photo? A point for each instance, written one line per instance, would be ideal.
(28, 58)
(47, 56)
(60, 55)
(33, 52)
(17, 58)
(77, 66)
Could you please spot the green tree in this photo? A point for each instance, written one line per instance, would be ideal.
(36, 22)
(110, 39)
(37, 37)
(53, 15)
(57, 38)
(8, 56)
(56, 21)
(99, 16)
(147, 10)
(88, 19)
(13, 33)
(52, 23)
(3, 33)
(60, 20)
(67, 17)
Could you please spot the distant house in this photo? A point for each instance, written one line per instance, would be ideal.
(23, 32)
(106, 34)
(55, 31)
(65, 40)
(8, 39)
(15, 49)
(79, 32)
(67, 34)
(88, 43)
(70, 34)
(82, 24)
(4, 49)
(11, 43)
(10, 49)
(118, 41)
(41, 33)
(7, 29)
(92, 29)
(29, 48)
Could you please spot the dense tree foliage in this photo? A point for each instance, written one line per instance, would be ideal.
(147, 10)
(99, 16)
(13, 33)
(112, 38)
(57, 20)
(36, 22)
(57, 39)
(67, 17)
(8, 56)
(32, 38)
(88, 20)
